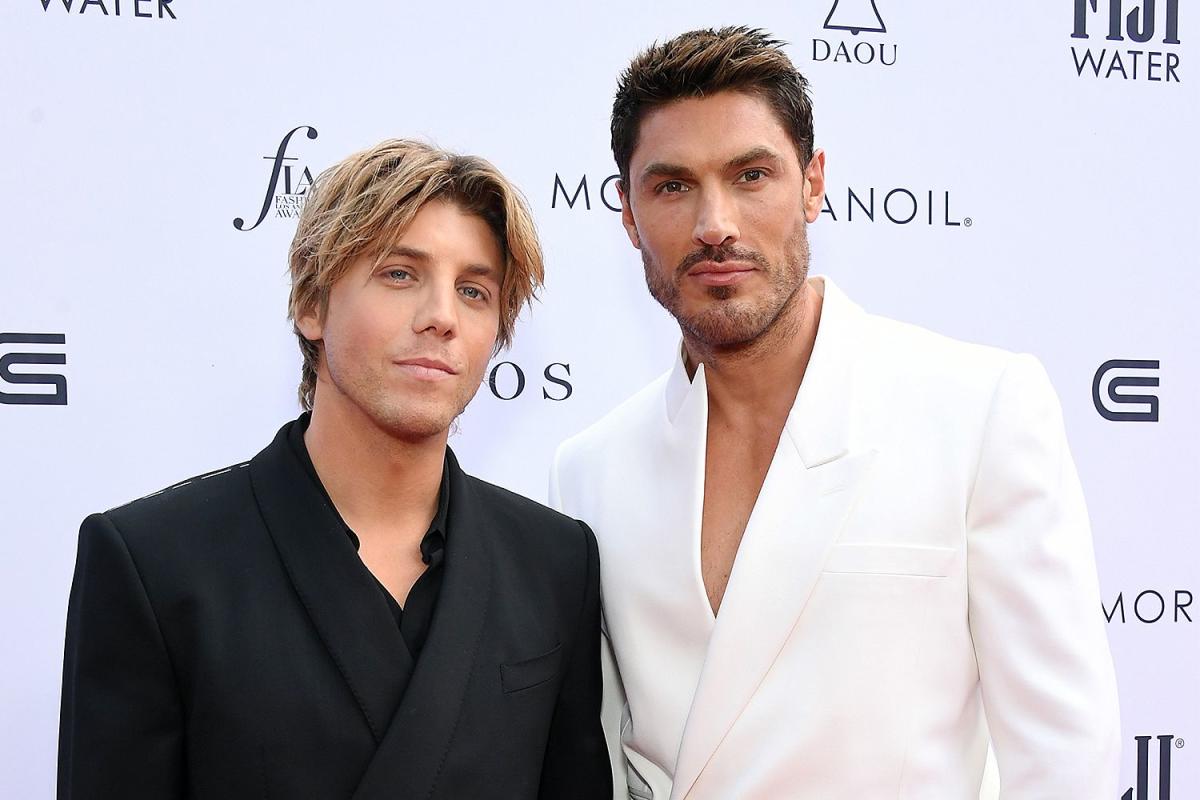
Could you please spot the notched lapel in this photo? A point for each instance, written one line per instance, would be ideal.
(797, 517)
(411, 756)
(348, 610)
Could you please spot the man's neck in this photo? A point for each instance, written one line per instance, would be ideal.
(758, 382)
(381, 485)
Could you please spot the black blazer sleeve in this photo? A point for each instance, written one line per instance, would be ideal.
(121, 726)
(576, 763)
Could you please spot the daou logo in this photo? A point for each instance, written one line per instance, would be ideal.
(55, 381)
(854, 17)
(290, 201)
(1139, 24)
(1116, 406)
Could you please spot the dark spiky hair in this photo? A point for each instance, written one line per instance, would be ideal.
(703, 62)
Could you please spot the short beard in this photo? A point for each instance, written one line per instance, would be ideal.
(405, 418)
(732, 322)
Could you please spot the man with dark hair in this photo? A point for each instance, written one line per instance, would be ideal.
(349, 614)
(833, 543)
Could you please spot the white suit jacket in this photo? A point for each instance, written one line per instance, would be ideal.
(919, 556)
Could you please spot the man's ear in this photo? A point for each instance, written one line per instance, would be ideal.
(311, 324)
(814, 186)
(627, 215)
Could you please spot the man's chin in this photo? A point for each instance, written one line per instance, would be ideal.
(726, 326)
(418, 424)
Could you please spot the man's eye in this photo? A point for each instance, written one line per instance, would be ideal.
(472, 293)
(672, 187)
(752, 175)
(399, 274)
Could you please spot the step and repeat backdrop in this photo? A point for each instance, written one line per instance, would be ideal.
(1021, 174)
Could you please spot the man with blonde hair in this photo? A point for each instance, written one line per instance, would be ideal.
(349, 614)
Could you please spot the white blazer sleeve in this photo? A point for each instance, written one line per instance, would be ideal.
(612, 705)
(1034, 605)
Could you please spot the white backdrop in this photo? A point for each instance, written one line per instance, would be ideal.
(133, 133)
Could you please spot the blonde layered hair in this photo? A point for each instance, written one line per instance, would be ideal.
(362, 205)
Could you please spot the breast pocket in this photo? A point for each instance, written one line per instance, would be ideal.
(530, 672)
(891, 559)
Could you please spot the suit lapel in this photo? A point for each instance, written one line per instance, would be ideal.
(806, 497)
(797, 517)
(413, 750)
(346, 607)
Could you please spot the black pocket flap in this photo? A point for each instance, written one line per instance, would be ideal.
(530, 672)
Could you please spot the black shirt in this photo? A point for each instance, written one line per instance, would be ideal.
(412, 620)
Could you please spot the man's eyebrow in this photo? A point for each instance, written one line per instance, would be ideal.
(750, 156)
(482, 270)
(662, 169)
(404, 251)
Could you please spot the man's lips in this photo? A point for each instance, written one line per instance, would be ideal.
(725, 273)
(429, 369)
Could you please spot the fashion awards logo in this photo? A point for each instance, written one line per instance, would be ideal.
(865, 45)
(1141, 790)
(54, 384)
(507, 381)
(145, 9)
(1118, 406)
(296, 179)
(1136, 21)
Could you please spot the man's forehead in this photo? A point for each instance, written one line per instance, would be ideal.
(447, 231)
(709, 131)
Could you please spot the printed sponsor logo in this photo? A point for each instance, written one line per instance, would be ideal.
(1135, 21)
(566, 197)
(53, 385)
(896, 205)
(145, 9)
(286, 200)
(1150, 606)
(1141, 790)
(1119, 406)
(507, 381)
(865, 45)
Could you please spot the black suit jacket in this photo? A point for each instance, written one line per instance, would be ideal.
(225, 641)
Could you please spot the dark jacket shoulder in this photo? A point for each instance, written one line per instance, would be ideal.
(192, 504)
(529, 519)
(199, 528)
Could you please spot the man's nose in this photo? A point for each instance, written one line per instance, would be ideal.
(716, 222)
(437, 312)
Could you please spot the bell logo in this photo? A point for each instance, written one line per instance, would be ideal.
(1165, 744)
(1110, 382)
(855, 16)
